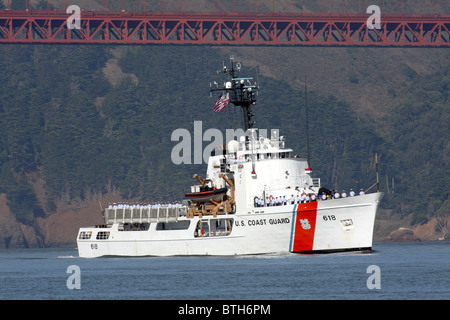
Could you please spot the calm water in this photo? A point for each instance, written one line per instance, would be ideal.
(407, 271)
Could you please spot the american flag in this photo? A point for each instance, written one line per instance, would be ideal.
(222, 102)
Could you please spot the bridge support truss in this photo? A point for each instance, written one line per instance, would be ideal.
(50, 27)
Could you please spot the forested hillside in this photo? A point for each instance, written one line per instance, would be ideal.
(419, 143)
(82, 122)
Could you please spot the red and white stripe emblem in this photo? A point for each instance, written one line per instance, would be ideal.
(304, 227)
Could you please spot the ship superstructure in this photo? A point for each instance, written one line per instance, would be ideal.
(257, 197)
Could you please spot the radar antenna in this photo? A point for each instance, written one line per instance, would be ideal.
(242, 91)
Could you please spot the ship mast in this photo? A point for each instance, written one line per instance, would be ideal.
(242, 91)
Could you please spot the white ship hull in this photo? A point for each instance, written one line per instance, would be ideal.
(323, 226)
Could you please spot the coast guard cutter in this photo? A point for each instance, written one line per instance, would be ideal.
(232, 210)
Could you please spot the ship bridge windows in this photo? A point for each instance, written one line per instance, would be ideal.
(267, 156)
(213, 227)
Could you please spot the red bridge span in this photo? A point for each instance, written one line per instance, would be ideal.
(289, 29)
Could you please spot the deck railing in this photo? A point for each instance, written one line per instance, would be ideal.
(144, 214)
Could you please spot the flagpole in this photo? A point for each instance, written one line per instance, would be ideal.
(307, 126)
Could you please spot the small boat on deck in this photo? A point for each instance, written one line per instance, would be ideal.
(207, 195)
(205, 192)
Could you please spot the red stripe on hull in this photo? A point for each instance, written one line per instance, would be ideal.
(305, 227)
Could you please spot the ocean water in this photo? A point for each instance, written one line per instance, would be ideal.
(404, 271)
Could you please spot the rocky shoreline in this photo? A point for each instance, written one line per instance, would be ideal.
(403, 235)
